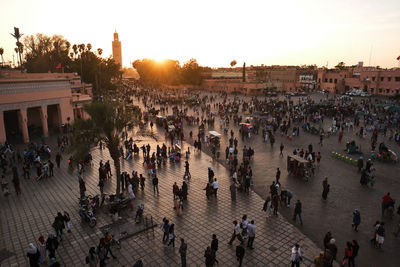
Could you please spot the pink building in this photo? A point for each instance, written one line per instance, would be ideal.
(368, 79)
(33, 104)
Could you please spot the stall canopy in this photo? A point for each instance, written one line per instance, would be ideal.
(214, 133)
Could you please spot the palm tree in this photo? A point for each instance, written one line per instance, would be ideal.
(17, 35)
(107, 120)
(1, 54)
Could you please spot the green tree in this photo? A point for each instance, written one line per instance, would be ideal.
(44, 53)
(107, 120)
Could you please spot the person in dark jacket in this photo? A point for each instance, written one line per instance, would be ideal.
(33, 255)
(356, 219)
(58, 224)
(214, 247)
(51, 245)
(240, 254)
(355, 247)
(209, 257)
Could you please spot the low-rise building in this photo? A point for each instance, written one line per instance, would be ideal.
(32, 104)
(371, 80)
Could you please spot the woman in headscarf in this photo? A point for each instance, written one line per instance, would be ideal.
(42, 249)
(33, 255)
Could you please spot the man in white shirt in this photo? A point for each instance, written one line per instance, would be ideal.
(251, 230)
(215, 187)
(296, 256)
(236, 233)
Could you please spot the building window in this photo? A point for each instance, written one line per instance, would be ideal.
(397, 91)
(389, 79)
(330, 80)
(335, 80)
(326, 80)
(387, 91)
(372, 90)
(382, 79)
(373, 78)
(380, 90)
(397, 79)
(319, 80)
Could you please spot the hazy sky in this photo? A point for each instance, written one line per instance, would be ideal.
(284, 32)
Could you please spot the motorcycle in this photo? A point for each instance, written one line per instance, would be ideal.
(94, 202)
(139, 213)
(87, 215)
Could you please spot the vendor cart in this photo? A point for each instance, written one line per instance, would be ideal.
(298, 167)
(214, 138)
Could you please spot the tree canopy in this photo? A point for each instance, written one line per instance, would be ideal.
(107, 121)
(44, 53)
(168, 72)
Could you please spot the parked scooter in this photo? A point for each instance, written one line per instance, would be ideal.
(87, 215)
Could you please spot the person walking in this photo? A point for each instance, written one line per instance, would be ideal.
(82, 187)
(155, 184)
(240, 251)
(131, 196)
(15, 182)
(92, 259)
(51, 245)
(182, 252)
(355, 248)
(58, 225)
(215, 187)
(209, 257)
(380, 235)
(297, 212)
(232, 189)
(236, 233)
(252, 234)
(278, 175)
(214, 247)
(171, 235)
(267, 206)
(281, 150)
(348, 253)
(58, 159)
(332, 248)
(107, 244)
(296, 255)
(326, 188)
(165, 229)
(101, 252)
(34, 255)
(67, 221)
(42, 249)
(356, 219)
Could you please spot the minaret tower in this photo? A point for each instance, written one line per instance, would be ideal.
(116, 49)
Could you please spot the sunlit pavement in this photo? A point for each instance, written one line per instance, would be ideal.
(345, 194)
(24, 218)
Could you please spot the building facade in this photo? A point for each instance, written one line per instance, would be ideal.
(368, 79)
(261, 80)
(31, 105)
(116, 49)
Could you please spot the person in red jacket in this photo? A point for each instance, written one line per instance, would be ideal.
(348, 253)
(386, 202)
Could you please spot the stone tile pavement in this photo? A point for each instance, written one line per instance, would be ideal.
(23, 218)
